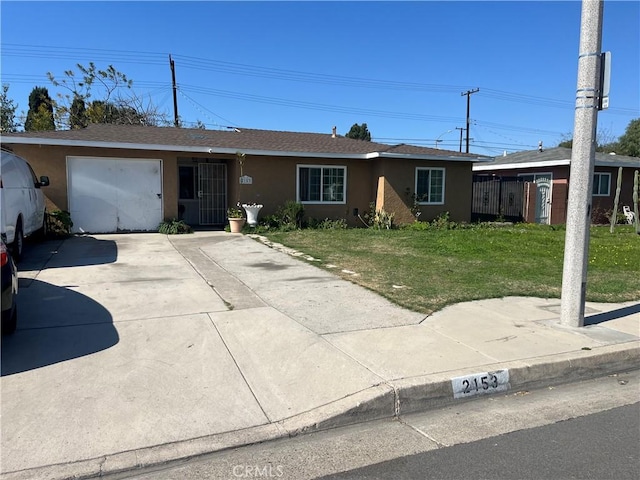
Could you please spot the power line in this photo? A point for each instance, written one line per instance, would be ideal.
(545, 102)
(202, 110)
(198, 63)
(316, 106)
(154, 58)
(514, 128)
(451, 143)
(166, 87)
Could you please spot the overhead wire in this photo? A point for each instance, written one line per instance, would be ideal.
(203, 110)
(316, 106)
(156, 58)
(199, 63)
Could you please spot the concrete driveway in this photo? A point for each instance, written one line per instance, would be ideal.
(136, 349)
(124, 342)
(115, 349)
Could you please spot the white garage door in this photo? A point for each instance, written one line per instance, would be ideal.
(114, 194)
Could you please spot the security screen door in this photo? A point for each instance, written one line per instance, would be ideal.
(212, 193)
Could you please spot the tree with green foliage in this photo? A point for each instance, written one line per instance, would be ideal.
(629, 143)
(359, 132)
(115, 102)
(40, 114)
(78, 117)
(7, 112)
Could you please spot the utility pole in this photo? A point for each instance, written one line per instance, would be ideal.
(576, 246)
(461, 130)
(468, 93)
(172, 64)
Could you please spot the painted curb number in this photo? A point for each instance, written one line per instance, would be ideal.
(480, 384)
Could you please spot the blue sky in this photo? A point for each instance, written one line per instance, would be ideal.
(400, 67)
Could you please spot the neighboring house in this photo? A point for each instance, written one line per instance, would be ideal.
(129, 178)
(549, 170)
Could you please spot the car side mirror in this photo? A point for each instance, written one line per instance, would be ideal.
(44, 181)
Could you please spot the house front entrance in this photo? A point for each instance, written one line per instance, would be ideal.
(202, 197)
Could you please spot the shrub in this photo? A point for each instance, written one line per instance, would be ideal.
(442, 222)
(174, 227)
(58, 223)
(416, 226)
(621, 219)
(379, 219)
(291, 214)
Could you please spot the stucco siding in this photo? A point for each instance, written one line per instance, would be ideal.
(275, 183)
(388, 183)
(52, 161)
(400, 184)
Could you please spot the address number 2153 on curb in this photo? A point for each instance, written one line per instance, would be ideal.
(480, 383)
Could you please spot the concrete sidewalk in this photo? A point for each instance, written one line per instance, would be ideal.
(136, 350)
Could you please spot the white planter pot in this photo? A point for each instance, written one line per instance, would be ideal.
(252, 214)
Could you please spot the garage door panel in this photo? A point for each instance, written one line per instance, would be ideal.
(139, 183)
(110, 195)
(94, 215)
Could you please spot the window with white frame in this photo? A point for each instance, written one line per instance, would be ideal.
(430, 186)
(601, 184)
(321, 184)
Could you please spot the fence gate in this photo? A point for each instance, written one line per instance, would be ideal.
(497, 198)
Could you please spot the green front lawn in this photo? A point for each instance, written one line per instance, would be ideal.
(427, 270)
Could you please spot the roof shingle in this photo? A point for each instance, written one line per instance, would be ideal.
(239, 139)
(560, 154)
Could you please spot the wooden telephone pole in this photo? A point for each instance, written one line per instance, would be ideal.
(176, 120)
(468, 93)
(461, 130)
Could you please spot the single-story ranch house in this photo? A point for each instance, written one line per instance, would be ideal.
(549, 170)
(129, 178)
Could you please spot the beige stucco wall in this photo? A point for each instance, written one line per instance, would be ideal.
(274, 184)
(399, 186)
(387, 182)
(52, 161)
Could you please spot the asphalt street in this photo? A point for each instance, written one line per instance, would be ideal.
(601, 446)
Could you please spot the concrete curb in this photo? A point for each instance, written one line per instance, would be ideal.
(397, 398)
(430, 391)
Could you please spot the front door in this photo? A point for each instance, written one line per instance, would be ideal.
(543, 182)
(212, 193)
(543, 200)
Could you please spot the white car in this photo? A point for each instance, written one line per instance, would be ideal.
(21, 201)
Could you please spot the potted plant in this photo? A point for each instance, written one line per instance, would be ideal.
(236, 219)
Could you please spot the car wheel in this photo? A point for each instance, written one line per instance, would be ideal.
(42, 232)
(10, 325)
(18, 242)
